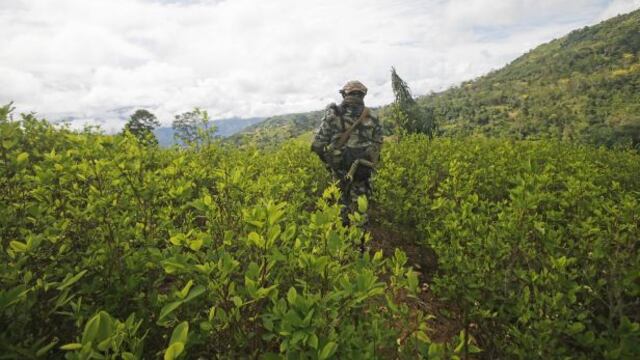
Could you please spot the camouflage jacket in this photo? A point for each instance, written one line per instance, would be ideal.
(366, 138)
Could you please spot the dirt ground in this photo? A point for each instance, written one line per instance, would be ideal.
(423, 260)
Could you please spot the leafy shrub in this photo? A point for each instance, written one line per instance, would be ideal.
(113, 249)
(537, 242)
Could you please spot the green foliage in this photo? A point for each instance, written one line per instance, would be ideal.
(277, 129)
(206, 252)
(537, 242)
(193, 128)
(216, 252)
(407, 116)
(141, 124)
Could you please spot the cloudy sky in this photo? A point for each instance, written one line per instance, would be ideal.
(96, 61)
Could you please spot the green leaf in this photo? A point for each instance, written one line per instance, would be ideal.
(237, 301)
(71, 346)
(363, 204)
(377, 256)
(412, 280)
(195, 244)
(256, 239)
(18, 246)
(8, 144)
(104, 345)
(168, 309)
(436, 351)
(422, 336)
(313, 341)
(176, 239)
(15, 295)
(72, 280)
(128, 356)
(45, 349)
(171, 266)
(173, 351)
(22, 157)
(328, 350)
(576, 327)
(185, 290)
(180, 333)
(98, 328)
(195, 292)
(292, 295)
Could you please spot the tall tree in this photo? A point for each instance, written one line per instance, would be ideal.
(408, 116)
(194, 128)
(141, 124)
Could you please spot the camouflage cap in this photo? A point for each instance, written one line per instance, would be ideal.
(353, 85)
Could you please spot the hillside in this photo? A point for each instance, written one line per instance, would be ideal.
(276, 129)
(584, 86)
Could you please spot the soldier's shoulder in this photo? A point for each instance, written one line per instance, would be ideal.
(373, 115)
(332, 110)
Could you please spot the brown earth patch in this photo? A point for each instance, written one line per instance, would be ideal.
(423, 260)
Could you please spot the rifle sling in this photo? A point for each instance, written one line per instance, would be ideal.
(347, 134)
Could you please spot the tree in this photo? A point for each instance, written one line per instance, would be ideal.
(408, 116)
(193, 128)
(141, 124)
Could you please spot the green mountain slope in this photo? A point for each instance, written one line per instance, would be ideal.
(584, 86)
(277, 129)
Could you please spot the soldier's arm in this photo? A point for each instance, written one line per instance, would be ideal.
(323, 137)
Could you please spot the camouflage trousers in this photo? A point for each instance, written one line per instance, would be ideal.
(350, 191)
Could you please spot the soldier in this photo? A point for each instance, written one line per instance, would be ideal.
(350, 134)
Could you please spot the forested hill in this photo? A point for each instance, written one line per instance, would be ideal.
(276, 129)
(584, 86)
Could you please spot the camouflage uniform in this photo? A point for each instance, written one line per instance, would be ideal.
(364, 143)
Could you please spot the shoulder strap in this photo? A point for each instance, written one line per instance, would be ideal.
(347, 134)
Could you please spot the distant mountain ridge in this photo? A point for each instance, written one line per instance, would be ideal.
(225, 128)
(584, 86)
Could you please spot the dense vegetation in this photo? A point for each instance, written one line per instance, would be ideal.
(583, 87)
(114, 249)
(111, 248)
(537, 242)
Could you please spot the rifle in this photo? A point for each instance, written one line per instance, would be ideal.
(354, 168)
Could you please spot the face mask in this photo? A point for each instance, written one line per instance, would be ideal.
(353, 104)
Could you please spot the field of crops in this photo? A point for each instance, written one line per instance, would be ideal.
(111, 249)
(537, 242)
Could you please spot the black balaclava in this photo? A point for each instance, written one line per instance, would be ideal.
(352, 104)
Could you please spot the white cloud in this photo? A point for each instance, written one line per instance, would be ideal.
(617, 7)
(96, 60)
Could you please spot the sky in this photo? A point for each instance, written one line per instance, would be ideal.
(96, 61)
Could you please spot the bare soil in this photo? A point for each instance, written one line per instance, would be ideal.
(423, 260)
